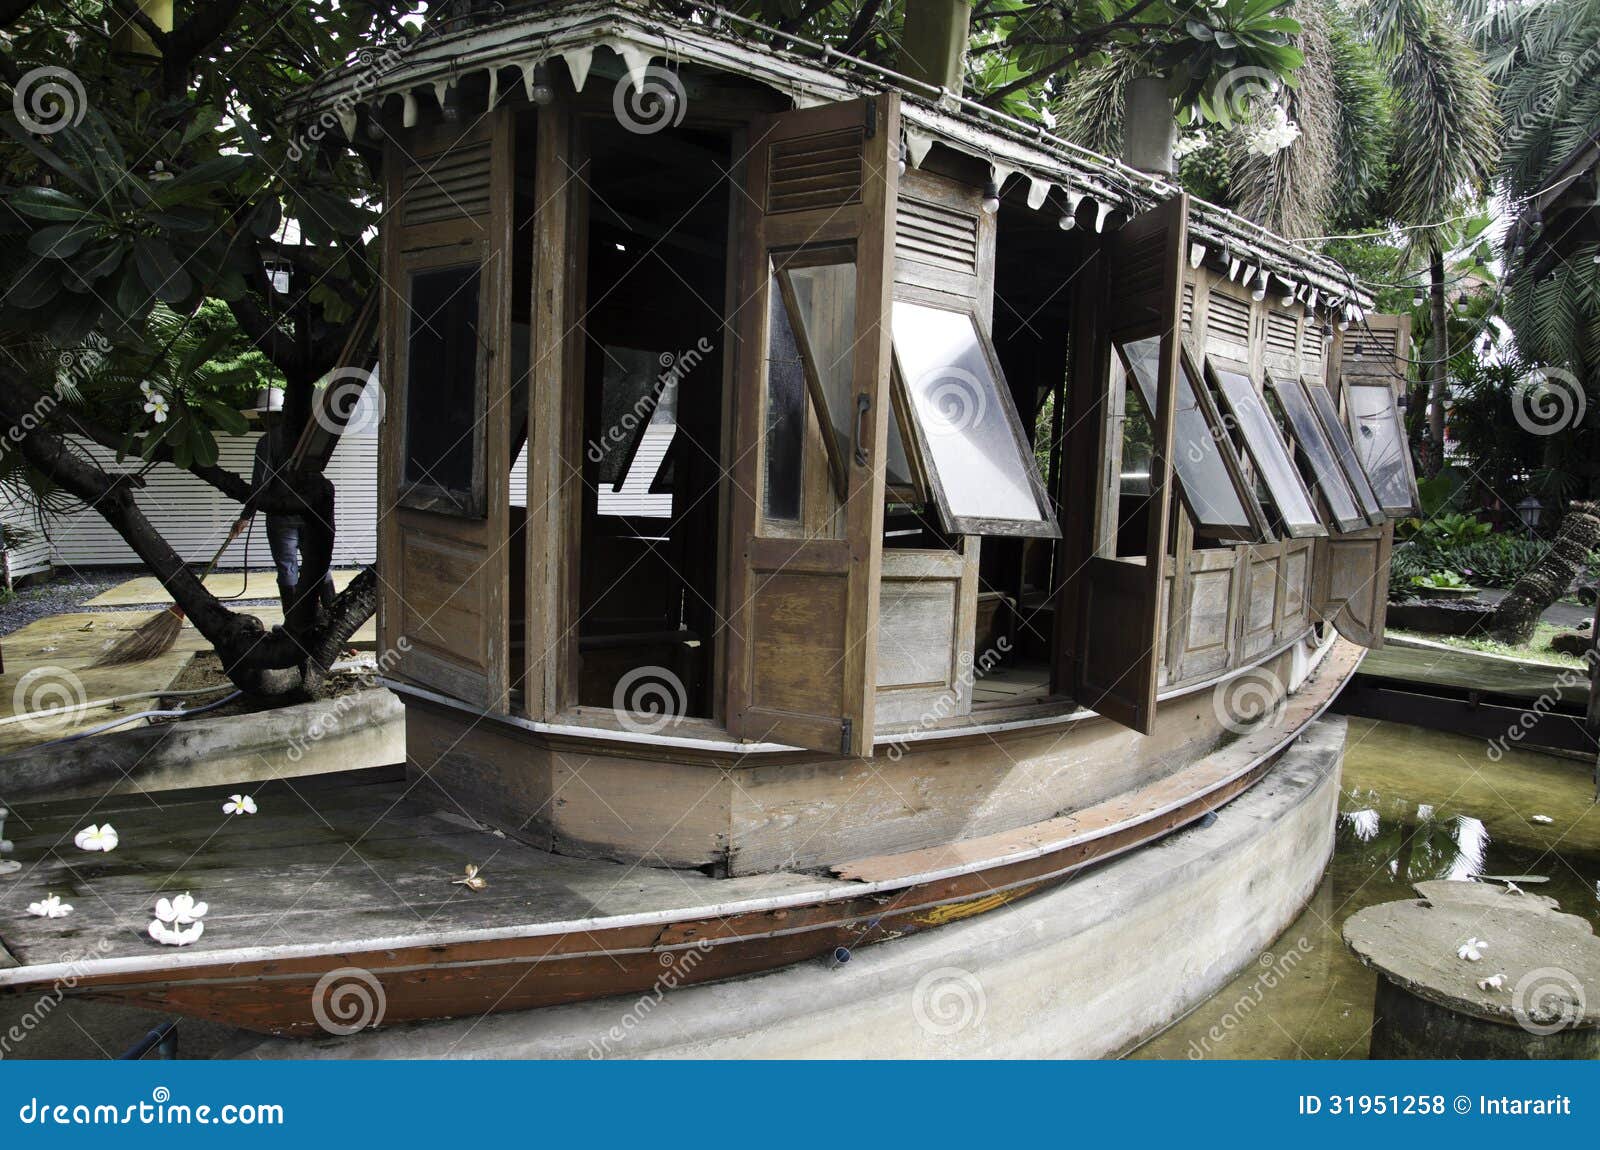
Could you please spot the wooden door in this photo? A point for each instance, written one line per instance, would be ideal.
(817, 251)
(445, 468)
(1118, 657)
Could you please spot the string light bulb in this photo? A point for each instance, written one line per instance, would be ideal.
(991, 197)
(540, 90)
(1069, 215)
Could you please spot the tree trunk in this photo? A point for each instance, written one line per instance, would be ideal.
(1438, 372)
(291, 662)
(1547, 580)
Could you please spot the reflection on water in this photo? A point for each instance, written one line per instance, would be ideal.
(1415, 805)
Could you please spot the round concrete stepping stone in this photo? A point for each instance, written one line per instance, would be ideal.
(1533, 993)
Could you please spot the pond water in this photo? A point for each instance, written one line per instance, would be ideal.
(1415, 805)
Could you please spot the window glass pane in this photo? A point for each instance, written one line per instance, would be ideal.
(1322, 403)
(1309, 434)
(1197, 450)
(897, 470)
(1276, 469)
(1380, 442)
(786, 412)
(965, 421)
(639, 406)
(825, 307)
(442, 381)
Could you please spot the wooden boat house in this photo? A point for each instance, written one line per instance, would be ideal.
(795, 470)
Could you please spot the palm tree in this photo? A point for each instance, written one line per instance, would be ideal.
(1545, 59)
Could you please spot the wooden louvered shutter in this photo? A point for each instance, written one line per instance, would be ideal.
(1228, 323)
(1377, 348)
(802, 644)
(444, 472)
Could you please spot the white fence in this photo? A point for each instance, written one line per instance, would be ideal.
(193, 516)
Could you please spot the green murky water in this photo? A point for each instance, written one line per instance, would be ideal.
(1415, 805)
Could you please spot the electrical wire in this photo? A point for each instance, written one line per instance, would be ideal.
(178, 715)
(100, 704)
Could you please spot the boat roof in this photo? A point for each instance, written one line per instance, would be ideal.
(809, 73)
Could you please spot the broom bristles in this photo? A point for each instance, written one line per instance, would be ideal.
(155, 636)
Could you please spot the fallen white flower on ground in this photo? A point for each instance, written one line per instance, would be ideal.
(472, 880)
(93, 838)
(50, 906)
(1493, 982)
(180, 908)
(1542, 820)
(1472, 949)
(177, 921)
(239, 805)
(175, 935)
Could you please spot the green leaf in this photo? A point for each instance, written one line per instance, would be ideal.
(48, 204)
(60, 241)
(160, 269)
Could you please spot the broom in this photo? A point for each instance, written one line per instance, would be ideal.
(156, 635)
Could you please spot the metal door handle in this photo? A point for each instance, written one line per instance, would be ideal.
(863, 405)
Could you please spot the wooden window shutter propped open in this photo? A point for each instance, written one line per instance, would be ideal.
(1134, 293)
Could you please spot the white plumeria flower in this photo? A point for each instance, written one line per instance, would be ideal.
(93, 838)
(1187, 145)
(1273, 134)
(1472, 950)
(1542, 820)
(175, 935)
(1493, 982)
(156, 405)
(239, 805)
(180, 909)
(50, 906)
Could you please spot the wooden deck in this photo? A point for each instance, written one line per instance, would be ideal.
(355, 872)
